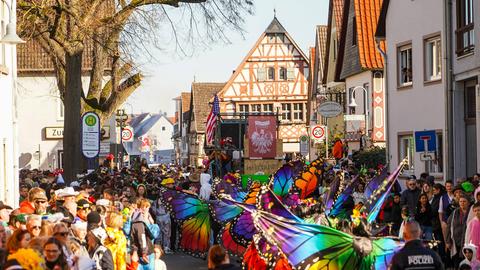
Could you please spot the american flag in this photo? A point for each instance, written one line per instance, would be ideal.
(212, 120)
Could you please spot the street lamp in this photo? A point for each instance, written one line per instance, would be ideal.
(121, 117)
(11, 36)
(353, 104)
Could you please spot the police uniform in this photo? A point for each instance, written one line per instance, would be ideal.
(415, 256)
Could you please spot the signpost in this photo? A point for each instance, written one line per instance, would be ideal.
(304, 145)
(426, 143)
(90, 137)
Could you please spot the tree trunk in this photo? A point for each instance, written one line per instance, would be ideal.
(72, 125)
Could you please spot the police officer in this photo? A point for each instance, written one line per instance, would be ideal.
(414, 255)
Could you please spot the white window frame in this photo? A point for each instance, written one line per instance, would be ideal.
(286, 112)
(243, 108)
(298, 112)
(290, 74)
(267, 107)
(270, 71)
(406, 148)
(433, 58)
(256, 108)
(282, 73)
(405, 60)
(261, 74)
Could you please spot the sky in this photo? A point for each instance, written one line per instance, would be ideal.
(172, 73)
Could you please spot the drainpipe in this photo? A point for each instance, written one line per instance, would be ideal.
(449, 140)
(386, 119)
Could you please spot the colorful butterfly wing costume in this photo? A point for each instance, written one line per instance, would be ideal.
(193, 215)
(310, 246)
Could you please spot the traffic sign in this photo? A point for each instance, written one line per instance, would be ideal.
(90, 135)
(426, 141)
(318, 132)
(127, 134)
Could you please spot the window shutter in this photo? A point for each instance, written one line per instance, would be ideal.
(290, 73)
(261, 74)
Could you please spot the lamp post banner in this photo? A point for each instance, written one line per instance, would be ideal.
(262, 136)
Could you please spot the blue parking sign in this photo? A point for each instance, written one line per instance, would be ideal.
(430, 136)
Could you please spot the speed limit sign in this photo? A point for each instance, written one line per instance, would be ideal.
(318, 133)
(127, 134)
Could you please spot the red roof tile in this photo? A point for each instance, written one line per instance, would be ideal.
(338, 14)
(366, 14)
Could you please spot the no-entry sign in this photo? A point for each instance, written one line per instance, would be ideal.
(318, 133)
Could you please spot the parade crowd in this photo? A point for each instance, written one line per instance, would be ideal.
(113, 219)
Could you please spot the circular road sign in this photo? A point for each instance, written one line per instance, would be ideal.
(127, 134)
(318, 132)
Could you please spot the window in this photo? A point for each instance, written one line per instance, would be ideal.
(433, 59)
(406, 150)
(267, 108)
(261, 74)
(465, 25)
(405, 65)
(297, 111)
(350, 96)
(271, 73)
(243, 108)
(470, 100)
(163, 128)
(290, 73)
(256, 108)
(436, 166)
(354, 31)
(286, 110)
(283, 73)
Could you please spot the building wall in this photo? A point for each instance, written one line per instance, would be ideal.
(351, 59)
(466, 133)
(40, 106)
(8, 121)
(420, 106)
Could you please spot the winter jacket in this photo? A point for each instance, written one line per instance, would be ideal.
(140, 236)
(415, 256)
(410, 199)
(474, 263)
(26, 208)
(457, 226)
(103, 258)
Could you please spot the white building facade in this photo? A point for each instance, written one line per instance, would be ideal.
(8, 119)
(416, 83)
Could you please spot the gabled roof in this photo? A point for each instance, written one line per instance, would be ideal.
(341, 40)
(367, 13)
(322, 47)
(201, 95)
(137, 119)
(275, 27)
(147, 124)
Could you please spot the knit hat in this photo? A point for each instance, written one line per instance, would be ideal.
(93, 219)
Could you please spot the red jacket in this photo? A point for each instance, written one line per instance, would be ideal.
(26, 207)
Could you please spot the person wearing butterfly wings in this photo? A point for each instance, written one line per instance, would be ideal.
(414, 255)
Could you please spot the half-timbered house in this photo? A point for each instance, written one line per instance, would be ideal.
(272, 78)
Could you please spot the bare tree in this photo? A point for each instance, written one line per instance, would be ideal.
(114, 31)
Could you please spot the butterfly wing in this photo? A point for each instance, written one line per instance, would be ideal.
(252, 260)
(193, 215)
(268, 201)
(378, 197)
(226, 240)
(223, 212)
(375, 183)
(307, 182)
(282, 180)
(337, 208)
(334, 188)
(251, 197)
(308, 246)
(243, 229)
(383, 251)
(222, 187)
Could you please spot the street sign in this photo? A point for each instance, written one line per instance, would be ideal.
(304, 145)
(127, 134)
(318, 133)
(425, 141)
(90, 135)
(330, 109)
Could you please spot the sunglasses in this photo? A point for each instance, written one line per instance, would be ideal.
(64, 234)
(36, 227)
(40, 202)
